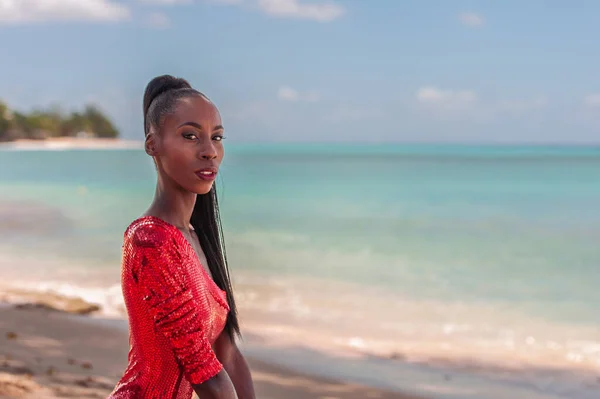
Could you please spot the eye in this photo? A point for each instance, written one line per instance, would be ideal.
(218, 137)
(189, 136)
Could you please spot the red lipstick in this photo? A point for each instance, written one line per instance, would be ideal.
(207, 173)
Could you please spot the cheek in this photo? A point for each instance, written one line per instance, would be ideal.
(176, 162)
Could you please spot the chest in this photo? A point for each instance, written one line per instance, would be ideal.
(194, 242)
(205, 285)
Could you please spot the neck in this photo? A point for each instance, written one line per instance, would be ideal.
(173, 204)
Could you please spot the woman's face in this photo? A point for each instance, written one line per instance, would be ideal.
(189, 144)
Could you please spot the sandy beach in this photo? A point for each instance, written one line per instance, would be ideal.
(66, 143)
(52, 354)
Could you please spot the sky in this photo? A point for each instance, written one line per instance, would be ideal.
(511, 71)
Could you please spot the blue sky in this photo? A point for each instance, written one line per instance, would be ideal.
(313, 70)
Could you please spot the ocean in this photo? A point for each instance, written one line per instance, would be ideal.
(478, 258)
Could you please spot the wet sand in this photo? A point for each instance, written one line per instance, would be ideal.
(53, 354)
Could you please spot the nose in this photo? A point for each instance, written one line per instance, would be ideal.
(207, 151)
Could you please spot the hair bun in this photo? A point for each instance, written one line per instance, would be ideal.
(160, 85)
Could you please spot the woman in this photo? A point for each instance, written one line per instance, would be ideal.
(175, 280)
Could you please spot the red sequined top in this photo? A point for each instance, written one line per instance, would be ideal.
(175, 311)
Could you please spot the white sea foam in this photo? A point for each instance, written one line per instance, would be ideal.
(501, 344)
(485, 343)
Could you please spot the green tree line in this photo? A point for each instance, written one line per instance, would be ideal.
(53, 122)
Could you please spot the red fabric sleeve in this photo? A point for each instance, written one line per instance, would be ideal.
(163, 281)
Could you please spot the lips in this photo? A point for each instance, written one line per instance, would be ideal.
(207, 173)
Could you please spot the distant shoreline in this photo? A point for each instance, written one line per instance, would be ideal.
(58, 143)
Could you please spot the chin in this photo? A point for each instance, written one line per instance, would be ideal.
(202, 189)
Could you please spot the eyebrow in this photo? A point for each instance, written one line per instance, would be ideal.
(199, 126)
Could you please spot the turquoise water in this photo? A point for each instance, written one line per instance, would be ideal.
(489, 241)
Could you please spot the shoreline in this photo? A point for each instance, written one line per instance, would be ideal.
(280, 363)
(62, 143)
(52, 354)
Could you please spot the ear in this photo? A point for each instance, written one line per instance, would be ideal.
(150, 145)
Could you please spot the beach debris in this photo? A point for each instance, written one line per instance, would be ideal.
(71, 361)
(397, 356)
(67, 305)
(16, 387)
(50, 371)
(15, 369)
(85, 382)
(95, 382)
(11, 335)
(86, 365)
(50, 301)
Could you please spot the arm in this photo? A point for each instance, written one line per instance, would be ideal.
(236, 366)
(218, 387)
(162, 281)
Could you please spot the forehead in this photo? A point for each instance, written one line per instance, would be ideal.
(197, 109)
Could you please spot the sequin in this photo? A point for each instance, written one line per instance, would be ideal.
(175, 311)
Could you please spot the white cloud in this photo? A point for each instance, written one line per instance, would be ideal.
(524, 105)
(592, 100)
(468, 108)
(226, 2)
(158, 20)
(287, 93)
(255, 114)
(323, 11)
(471, 19)
(315, 10)
(587, 114)
(431, 95)
(347, 113)
(165, 2)
(28, 11)
(453, 105)
(312, 96)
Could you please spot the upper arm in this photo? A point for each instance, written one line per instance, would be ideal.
(218, 387)
(163, 283)
(225, 348)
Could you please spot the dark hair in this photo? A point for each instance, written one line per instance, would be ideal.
(160, 98)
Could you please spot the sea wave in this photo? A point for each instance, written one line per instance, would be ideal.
(356, 322)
